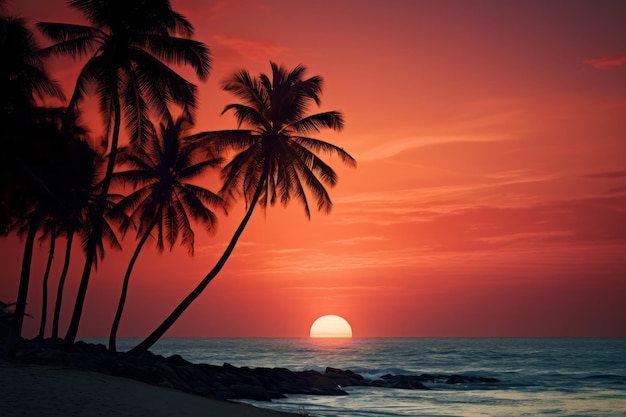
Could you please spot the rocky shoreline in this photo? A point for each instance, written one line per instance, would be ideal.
(225, 382)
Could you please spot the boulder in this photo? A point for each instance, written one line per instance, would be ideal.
(253, 392)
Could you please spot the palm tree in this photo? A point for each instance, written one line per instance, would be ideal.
(46, 275)
(41, 165)
(74, 183)
(64, 179)
(165, 199)
(80, 181)
(276, 159)
(131, 41)
(24, 83)
(81, 196)
(66, 168)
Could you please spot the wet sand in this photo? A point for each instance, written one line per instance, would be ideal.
(45, 391)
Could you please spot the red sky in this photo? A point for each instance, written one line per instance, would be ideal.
(489, 199)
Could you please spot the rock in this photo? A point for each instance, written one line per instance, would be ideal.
(178, 360)
(464, 379)
(400, 381)
(343, 378)
(253, 392)
(224, 382)
(326, 386)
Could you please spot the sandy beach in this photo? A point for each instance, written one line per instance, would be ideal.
(44, 391)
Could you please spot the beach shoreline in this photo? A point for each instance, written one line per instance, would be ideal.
(57, 391)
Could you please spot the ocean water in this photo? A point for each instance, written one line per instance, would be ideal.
(539, 377)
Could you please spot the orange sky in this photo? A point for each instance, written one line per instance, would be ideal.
(490, 196)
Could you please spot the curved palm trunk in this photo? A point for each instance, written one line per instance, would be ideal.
(180, 309)
(15, 332)
(44, 291)
(96, 233)
(122, 302)
(59, 300)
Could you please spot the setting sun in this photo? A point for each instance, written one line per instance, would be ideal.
(331, 326)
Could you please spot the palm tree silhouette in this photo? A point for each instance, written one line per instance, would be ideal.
(72, 170)
(24, 83)
(52, 232)
(66, 172)
(131, 40)
(75, 183)
(24, 128)
(79, 193)
(165, 199)
(276, 160)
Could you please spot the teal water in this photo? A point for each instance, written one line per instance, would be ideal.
(539, 377)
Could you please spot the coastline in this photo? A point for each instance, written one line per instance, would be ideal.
(54, 391)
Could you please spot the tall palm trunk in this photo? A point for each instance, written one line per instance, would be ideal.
(59, 299)
(122, 302)
(180, 309)
(15, 331)
(98, 222)
(44, 291)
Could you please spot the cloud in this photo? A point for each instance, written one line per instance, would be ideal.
(336, 262)
(527, 236)
(607, 62)
(423, 204)
(608, 175)
(483, 121)
(251, 49)
(402, 145)
(356, 240)
(218, 248)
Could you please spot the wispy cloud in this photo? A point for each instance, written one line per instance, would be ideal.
(607, 175)
(251, 49)
(527, 236)
(402, 145)
(426, 203)
(219, 247)
(421, 259)
(285, 251)
(334, 261)
(607, 62)
(483, 121)
(357, 240)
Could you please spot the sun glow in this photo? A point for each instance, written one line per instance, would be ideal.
(331, 326)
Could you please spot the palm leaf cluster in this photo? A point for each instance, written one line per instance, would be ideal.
(162, 174)
(55, 185)
(279, 153)
(128, 47)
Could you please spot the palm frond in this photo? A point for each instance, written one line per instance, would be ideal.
(183, 227)
(192, 171)
(203, 197)
(237, 169)
(136, 111)
(317, 145)
(313, 163)
(301, 194)
(73, 40)
(218, 142)
(161, 84)
(315, 122)
(180, 51)
(242, 85)
(247, 115)
(87, 77)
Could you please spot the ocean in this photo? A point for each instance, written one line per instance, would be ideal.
(538, 377)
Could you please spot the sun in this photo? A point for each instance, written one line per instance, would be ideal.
(330, 326)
